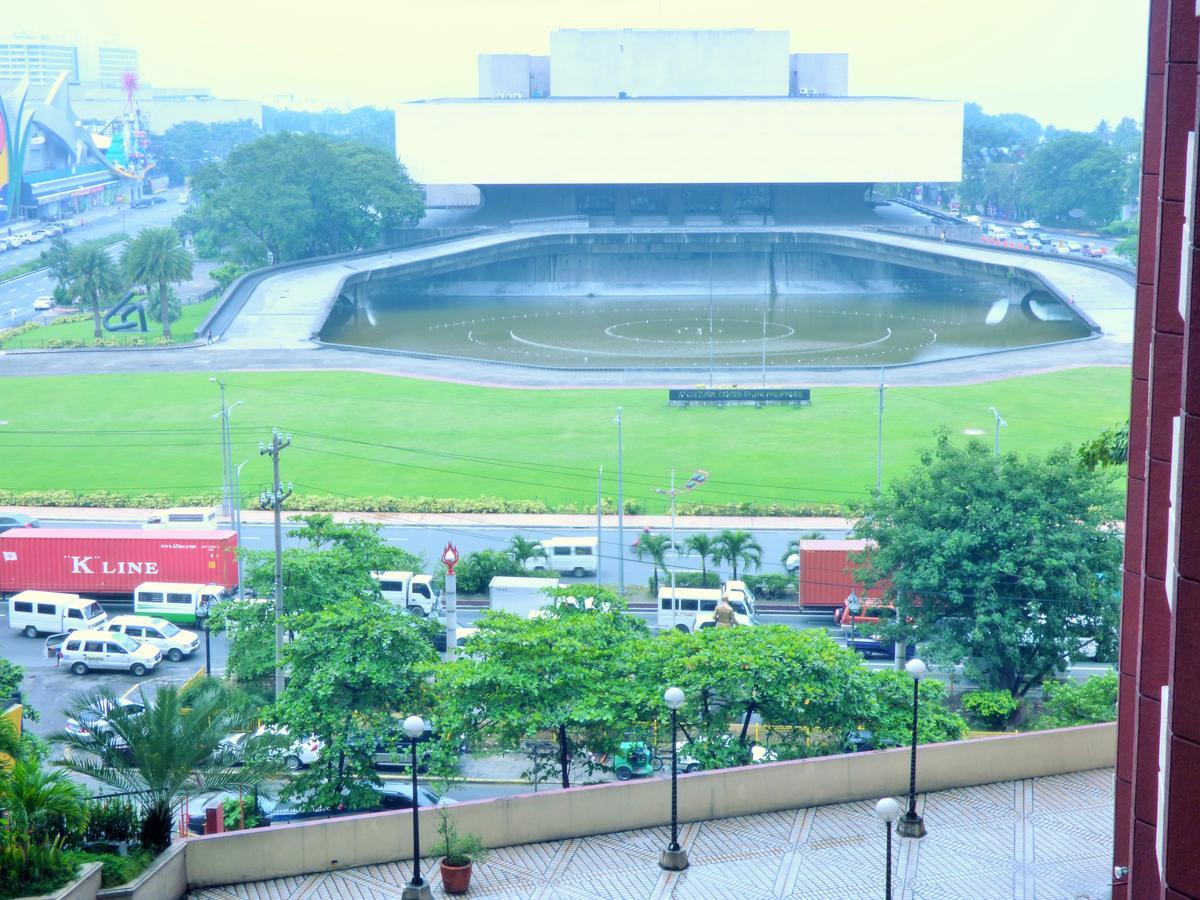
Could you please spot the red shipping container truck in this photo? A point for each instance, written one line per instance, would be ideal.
(110, 561)
(826, 578)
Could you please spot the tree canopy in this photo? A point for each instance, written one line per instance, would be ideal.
(1007, 562)
(292, 196)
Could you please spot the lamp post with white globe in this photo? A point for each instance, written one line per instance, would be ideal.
(888, 811)
(418, 888)
(912, 825)
(674, 858)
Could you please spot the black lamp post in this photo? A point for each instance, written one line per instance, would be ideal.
(674, 858)
(888, 811)
(202, 617)
(418, 888)
(912, 825)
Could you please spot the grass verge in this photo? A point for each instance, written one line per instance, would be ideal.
(361, 435)
(58, 333)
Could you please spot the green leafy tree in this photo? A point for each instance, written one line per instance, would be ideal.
(740, 547)
(1004, 562)
(568, 673)
(183, 148)
(11, 676)
(57, 259)
(993, 709)
(522, 550)
(292, 196)
(353, 663)
(888, 712)
(156, 257)
(333, 561)
(476, 570)
(654, 547)
(163, 753)
(706, 547)
(1109, 448)
(1070, 703)
(93, 275)
(1075, 178)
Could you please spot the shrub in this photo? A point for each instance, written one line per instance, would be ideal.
(992, 709)
(1069, 703)
(254, 816)
(113, 819)
(115, 869)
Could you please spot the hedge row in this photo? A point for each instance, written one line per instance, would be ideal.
(321, 503)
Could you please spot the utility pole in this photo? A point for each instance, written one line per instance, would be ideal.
(226, 509)
(711, 336)
(879, 444)
(698, 478)
(620, 511)
(999, 423)
(599, 522)
(237, 519)
(273, 499)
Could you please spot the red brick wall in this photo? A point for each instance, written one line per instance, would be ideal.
(1160, 644)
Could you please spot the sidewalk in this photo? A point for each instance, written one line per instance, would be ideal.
(136, 517)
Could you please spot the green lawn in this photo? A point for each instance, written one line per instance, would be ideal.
(182, 330)
(142, 433)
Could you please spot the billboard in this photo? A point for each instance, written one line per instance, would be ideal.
(762, 140)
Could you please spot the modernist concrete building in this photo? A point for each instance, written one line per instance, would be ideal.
(42, 61)
(663, 125)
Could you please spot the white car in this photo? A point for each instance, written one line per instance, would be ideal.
(689, 763)
(974, 220)
(1062, 249)
(299, 754)
(174, 642)
(792, 563)
(85, 650)
(96, 721)
(1074, 246)
(44, 303)
(1031, 224)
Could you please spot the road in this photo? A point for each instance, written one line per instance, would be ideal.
(17, 294)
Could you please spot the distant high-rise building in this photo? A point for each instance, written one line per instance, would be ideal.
(40, 62)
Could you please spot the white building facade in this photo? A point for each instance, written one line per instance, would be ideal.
(628, 123)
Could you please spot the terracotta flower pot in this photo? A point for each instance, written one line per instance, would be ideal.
(456, 879)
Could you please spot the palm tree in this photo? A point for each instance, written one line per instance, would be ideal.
(522, 550)
(706, 547)
(739, 547)
(93, 275)
(161, 753)
(40, 803)
(654, 546)
(156, 256)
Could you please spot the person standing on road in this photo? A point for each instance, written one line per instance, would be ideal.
(723, 614)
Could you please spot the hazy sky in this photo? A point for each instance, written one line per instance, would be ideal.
(1065, 62)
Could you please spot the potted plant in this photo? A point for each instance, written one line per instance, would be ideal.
(458, 855)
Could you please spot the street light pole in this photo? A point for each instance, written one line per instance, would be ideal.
(999, 423)
(879, 441)
(620, 511)
(888, 811)
(417, 888)
(225, 479)
(674, 858)
(599, 522)
(698, 478)
(912, 825)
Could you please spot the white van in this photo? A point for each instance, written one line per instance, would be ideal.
(173, 641)
(413, 591)
(567, 556)
(87, 650)
(185, 517)
(696, 606)
(49, 613)
(176, 602)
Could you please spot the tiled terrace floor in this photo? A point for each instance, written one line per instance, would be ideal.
(1038, 838)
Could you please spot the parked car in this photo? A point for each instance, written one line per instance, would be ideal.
(17, 520)
(98, 721)
(689, 763)
(174, 642)
(298, 754)
(86, 650)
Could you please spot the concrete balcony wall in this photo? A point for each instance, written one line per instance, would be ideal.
(378, 837)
